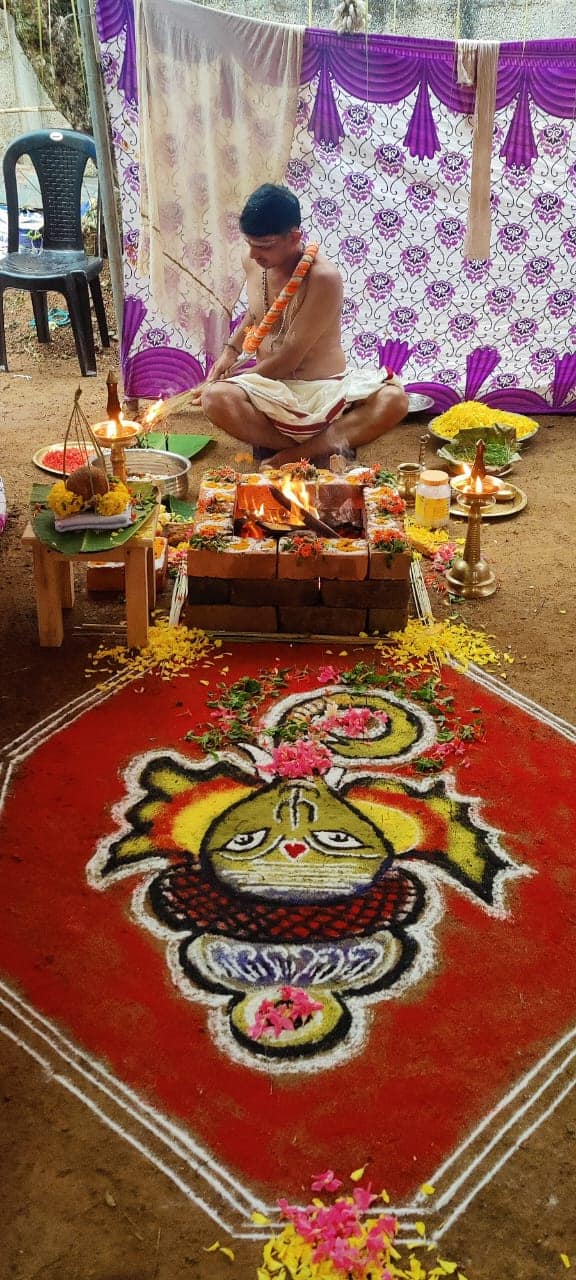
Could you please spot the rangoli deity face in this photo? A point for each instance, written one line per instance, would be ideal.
(289, 904)
(295, 840)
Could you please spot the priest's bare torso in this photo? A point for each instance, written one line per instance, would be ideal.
(320, 298)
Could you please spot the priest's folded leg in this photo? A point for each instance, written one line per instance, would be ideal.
(299, 418)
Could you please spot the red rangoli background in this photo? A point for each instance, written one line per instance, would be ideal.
(435, 1060)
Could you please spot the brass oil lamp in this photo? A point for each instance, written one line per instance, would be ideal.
(117, 433)
(470, 575)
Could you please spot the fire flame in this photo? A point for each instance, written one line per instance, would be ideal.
(152, 413)
(264, 506)
(298, 492)
(249, 529)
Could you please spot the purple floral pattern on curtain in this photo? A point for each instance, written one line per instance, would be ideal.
(380, 161)
(388, 109)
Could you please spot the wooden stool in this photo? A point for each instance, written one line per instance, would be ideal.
(54, 582)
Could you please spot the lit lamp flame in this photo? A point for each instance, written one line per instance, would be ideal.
(481, 486)
(117, 433)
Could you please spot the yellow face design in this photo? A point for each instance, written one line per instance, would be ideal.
(297, 840)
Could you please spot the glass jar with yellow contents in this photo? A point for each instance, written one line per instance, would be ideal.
(432, 500)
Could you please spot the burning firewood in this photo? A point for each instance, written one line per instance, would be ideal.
(307, 518)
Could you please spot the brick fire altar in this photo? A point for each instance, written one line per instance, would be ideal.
(253, 567)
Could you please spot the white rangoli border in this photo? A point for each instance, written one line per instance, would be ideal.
(205, 1181)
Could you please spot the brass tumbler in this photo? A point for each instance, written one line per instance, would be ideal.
(407, 476)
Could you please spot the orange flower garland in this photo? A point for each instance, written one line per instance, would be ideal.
(256, 333)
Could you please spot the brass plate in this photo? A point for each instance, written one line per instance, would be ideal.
(446, 439)
(497, 510)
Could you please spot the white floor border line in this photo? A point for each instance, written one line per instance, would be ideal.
(66, 714)
(522, 1107)
(177, 1138)
(47, 1046)
(127, 1136)
(179, 1156)
(495, 685)
(180, 1146)
(461, 1207)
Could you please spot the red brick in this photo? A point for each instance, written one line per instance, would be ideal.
(257, 591)
(372, 593)
(322, 621)
(331, 497)
(387, 619)
(112, 577)
(298, 568)
(229, 617)
(246, 563)
(208, 591)
(345, 565)
(332, 564)
(385, 566)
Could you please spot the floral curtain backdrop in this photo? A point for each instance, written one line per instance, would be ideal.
(380, 161)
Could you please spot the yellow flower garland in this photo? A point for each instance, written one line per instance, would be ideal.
(64, 503)
(114, 501)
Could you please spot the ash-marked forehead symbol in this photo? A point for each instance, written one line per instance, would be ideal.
(285, 812)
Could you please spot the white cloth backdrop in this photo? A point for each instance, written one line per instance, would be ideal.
(381, 158)
(218, 96)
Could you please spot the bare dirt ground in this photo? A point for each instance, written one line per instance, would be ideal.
(76, 1201)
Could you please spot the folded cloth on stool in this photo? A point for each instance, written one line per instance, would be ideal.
(87, 520)
(299, 408)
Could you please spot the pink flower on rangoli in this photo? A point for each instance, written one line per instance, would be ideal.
(293, 1009)
(325, 1181)
(302, 759)
(327, 674)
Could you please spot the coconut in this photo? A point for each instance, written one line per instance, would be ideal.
(88, 481)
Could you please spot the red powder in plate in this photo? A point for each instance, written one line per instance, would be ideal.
(54, 458)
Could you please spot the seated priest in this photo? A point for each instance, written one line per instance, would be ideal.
(300, 399)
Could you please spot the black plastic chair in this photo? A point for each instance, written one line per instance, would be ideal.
(59, 158)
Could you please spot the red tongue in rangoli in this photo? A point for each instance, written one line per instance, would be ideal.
(294, 848)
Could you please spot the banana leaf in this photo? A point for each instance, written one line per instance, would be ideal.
(88, 541)
(178, 507)
(186, 445)
(501, 446)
